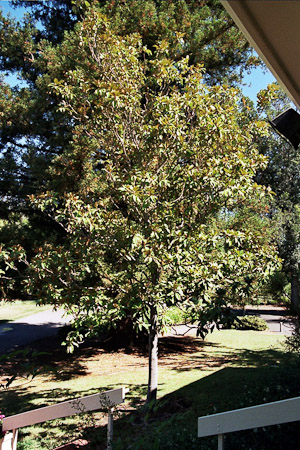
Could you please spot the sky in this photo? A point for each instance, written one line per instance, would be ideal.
(5, 6)
(255, 81)
(18, 13)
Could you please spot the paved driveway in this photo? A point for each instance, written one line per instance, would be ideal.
(30, 328)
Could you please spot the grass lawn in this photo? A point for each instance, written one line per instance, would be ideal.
(230, 369)
(17, 309)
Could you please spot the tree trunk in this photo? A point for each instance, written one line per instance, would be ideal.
(153, 356)
(295, 298)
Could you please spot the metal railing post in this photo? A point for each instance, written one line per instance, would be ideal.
(110, 429)
(221, 444)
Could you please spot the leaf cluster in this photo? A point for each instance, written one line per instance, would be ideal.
(152, 171)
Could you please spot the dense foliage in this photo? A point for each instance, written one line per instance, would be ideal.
(135, 187)
(282, 174)
(147, 177)
(33, 131)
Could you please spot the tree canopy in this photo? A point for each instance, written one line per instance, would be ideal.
(34, 132)
(148, 190)
(127, 172)
(207, 33)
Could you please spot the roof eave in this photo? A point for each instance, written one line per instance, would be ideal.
(246, 22)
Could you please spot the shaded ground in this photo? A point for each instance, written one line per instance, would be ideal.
(173, 423)
(248, 369)
(104, 358)
(181, 354)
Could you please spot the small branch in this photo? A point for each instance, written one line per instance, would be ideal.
(189, 328)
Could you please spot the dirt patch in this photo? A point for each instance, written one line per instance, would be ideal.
(104, 358)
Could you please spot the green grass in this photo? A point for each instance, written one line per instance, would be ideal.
(231, 369)
(175, 316)
(18, 309)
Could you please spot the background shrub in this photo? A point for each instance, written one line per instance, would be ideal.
(249, 323)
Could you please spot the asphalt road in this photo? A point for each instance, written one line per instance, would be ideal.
(31, 328)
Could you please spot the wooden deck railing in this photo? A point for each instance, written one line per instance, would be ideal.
(103, 401)
(258, 416)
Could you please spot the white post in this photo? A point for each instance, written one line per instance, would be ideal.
(110, 429)
(15, 439)
(221, 445)
(9, 441)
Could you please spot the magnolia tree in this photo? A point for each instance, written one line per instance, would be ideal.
(156, 160)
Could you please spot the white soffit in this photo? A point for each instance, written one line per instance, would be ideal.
(273, 28)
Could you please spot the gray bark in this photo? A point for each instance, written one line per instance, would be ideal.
(153, 356)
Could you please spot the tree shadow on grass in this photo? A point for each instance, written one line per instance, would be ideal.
(273, 375)
(203, 355)
(46, 356)
(178, 353)
(55, 362)
(241, 358)
(182, 345)
(172, 424)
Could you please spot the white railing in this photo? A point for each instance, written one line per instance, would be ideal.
(247, 418)
(102, 401)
